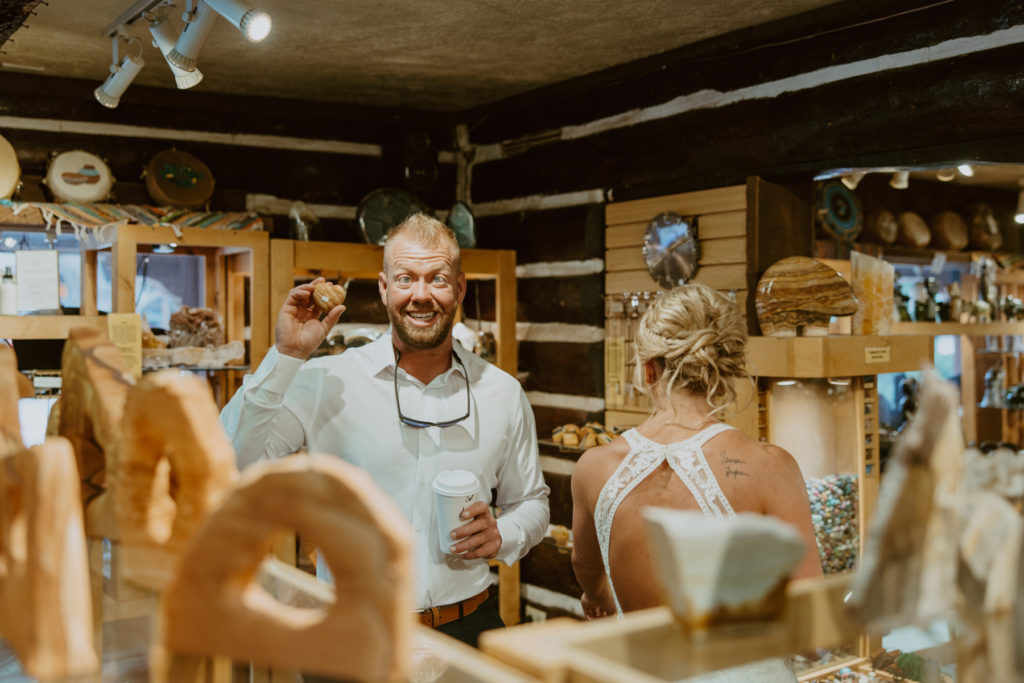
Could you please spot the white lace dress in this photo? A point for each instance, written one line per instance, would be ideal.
(686, 458)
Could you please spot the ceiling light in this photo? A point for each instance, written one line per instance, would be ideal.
(900, 180)
(946, 174)
(121, 76)
(163, 39)
(165, 248)
(851, 180)
(965, 170)
(1019, 216)
(254, 24)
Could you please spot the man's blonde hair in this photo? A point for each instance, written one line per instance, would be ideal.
(699, 337)
(425, 231)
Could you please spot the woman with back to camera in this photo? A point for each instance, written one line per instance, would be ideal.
(689, 350)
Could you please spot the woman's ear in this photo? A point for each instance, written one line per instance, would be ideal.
(652, 372)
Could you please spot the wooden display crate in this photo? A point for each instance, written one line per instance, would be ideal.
(648, 645)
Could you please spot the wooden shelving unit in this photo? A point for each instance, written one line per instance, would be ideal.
(836, 356)
(233, 257)
(46, 326)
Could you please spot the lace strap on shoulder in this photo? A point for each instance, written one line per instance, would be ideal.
(708, 433)
(638, 463)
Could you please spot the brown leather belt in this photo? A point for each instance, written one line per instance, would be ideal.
(438, 616)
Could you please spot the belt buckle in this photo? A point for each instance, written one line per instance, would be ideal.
(435, 617)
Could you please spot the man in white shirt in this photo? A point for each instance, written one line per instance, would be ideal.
(404, 408)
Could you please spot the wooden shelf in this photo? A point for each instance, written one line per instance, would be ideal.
(969, 329)
(47, 326)
(837, 356)
(829, 249)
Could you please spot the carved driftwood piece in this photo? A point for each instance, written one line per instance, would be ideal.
(95, 382)
(10, 392)
(45, 603)
(799, 294)
(908, 574)
(214, 605)
(171, 432)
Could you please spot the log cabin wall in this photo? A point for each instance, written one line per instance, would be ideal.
(864, 84)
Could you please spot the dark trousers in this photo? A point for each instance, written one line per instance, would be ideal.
(467, 629)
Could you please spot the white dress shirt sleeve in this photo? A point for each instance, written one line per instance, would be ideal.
(255, 419)
(522, 493)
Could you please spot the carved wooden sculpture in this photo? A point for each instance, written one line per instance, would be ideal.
(95, 382)
(175, 465)
(45, 605)
(908, 574)
(215, 606)
(44, 575)
(10, 392)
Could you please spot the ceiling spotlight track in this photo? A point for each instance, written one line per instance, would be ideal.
(180, 53)
(121, 75)
(163, 38)
(254, 25)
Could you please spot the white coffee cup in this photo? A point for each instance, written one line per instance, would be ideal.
(454, 491)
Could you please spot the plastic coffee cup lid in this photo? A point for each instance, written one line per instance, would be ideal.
(455, 483)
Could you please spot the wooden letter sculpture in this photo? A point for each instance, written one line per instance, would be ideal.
(799, 294)
(175, 465)
(45, 605)
(95, 383)
(215, 606)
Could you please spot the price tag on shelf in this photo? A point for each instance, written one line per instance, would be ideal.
(876, 354)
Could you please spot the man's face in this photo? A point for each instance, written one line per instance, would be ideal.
(421, 289)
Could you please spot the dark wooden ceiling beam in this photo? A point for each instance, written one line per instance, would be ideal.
(13, 14)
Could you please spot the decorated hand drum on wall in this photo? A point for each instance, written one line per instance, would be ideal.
(671, 249)
(839, 211)
(79, 176)
(912, 231)
(948, 231)
(176, 178)
(984, 228)
(383, 209)
(10, 171)
(880, 227)
(798, 294)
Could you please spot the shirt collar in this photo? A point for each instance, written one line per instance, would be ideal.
(380, 355)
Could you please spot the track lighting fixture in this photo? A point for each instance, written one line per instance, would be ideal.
(121, 76)
(851, 180)
(254, 25)
(946, 174)
(163, 39)
(966, 170)
(900, 180)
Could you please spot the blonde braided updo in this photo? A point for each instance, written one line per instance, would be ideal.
(699, 337)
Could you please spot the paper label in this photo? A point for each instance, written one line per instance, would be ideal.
(38, 280)
(125, 332)
(876, 354)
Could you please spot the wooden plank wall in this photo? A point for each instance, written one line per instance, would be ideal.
(721, 215)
